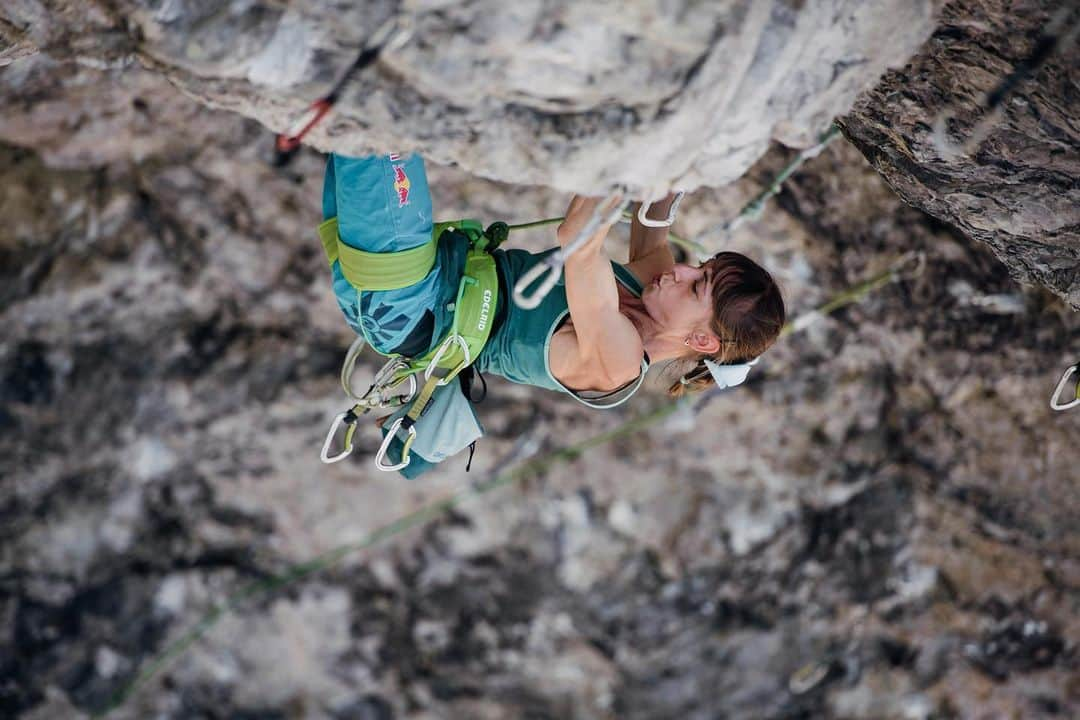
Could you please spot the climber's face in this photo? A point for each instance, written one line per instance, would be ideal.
(680, 300)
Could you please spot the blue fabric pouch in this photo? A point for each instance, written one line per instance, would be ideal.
(448, 426)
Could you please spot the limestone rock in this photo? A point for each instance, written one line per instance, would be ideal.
(575, 96)
(1017, 190)
(889, 505)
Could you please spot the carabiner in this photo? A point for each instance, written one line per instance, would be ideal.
(553, 263)
(349, 366)
(620, 199)
(909, 265)
(1054, 404)
(290, 140)
(549, 265)
(666, 222)
(385, 447)
(433, 364)
(384, 381)
(351, 423)
(380, 384)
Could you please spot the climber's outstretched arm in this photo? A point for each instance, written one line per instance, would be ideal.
(605, 349)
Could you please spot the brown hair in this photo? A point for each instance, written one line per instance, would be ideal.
(748, 313)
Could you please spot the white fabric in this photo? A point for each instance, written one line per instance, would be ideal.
(729, 375)
(446, 427)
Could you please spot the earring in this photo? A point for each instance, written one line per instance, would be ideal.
(686, 341)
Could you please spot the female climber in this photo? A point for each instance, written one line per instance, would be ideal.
(593, 336)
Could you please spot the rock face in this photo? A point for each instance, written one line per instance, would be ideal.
(581, 96)
(574, 96)
(880, 525)
(1018, 189)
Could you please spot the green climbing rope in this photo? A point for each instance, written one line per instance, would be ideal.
(750, 212)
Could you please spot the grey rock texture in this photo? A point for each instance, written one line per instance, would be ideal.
(890, 503)
(1019, 189)
(888, 508)
(573, 96)
(580, 96)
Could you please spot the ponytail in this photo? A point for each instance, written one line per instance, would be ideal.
(697, 379)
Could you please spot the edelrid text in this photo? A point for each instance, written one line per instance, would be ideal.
(485, 310)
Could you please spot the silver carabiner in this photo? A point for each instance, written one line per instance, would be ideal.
(325, 454)
(379, 383)
(385, 447)
(553, 263)
(666, 222)
(1054, 404)
(550, 265)
(382, 383)
(433, 364)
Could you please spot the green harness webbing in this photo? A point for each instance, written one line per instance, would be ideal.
(474, 313)
(377, 271)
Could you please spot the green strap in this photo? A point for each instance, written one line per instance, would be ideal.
(474, 307)
(422, 399)
(377, 271)
(474, 314)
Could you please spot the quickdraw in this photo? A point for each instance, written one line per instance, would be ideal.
(380, 395)
(1057, 33)
(391, 35)
(753, 210)
(607, 213)
(1055, 398)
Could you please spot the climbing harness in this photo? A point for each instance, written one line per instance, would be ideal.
(393, 34)
(606, 213)
(473, 318)
(1055, 400)
(990, 106)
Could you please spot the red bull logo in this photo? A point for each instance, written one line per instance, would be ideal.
(401, 185)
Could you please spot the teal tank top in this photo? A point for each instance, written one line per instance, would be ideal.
(518, 347)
